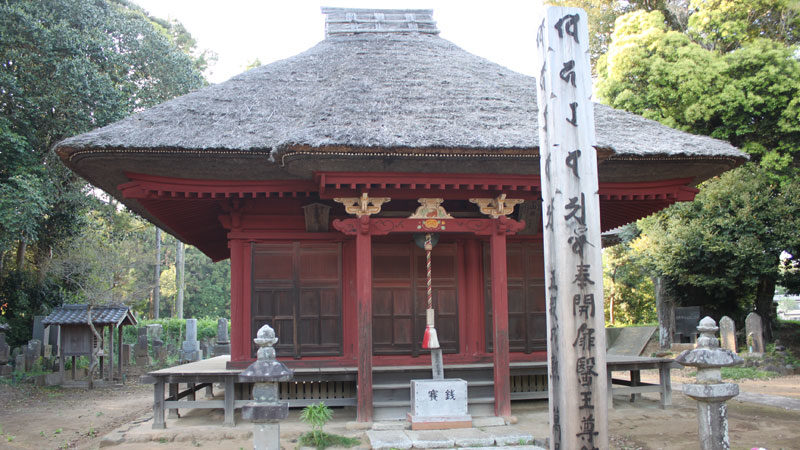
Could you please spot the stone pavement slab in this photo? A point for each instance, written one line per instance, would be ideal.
(388, 439)
(430, 439)
(516, 447)
(508, 435)
(471, 437)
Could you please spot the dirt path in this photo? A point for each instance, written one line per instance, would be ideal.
(43, 418)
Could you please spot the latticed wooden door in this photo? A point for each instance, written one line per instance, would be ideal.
(297, 290)
(399, 298)
(527, 323)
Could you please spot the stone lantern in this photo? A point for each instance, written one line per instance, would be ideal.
(266, 410)
(709, 391)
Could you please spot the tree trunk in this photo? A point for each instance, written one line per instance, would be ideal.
(665, 308)
(764, 305)
(179, 284)
(96, 351)
(157, 276)
(21, 248)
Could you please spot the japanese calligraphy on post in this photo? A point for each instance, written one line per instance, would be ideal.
(575, 324)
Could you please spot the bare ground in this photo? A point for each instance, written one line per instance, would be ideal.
(41, 418)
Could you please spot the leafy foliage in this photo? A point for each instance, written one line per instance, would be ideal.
(316, 416)
(627, 286)
(68, 66)
(721, 246)
(749, 96)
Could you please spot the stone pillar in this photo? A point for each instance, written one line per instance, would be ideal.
(223, 345)
(5, 355)
(190, 350)
(266, 410)
(727, 333)
(141, 349)
(755, 333)
(709, 391)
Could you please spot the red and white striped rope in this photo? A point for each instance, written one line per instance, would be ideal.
(428, 248)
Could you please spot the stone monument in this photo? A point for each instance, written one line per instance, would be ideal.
(223, 345)
(190, 350)
(727, 333)
(755, 333)
(709, 391)
(5, 354)
(141, 352)
(266, 410)
(32, 353)
(439, 404)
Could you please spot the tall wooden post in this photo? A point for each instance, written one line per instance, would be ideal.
(240, 342)
(502, 389)
(571, 232)
(364, 308)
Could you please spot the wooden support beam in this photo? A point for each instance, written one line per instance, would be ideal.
(502, 389)
(364, 313)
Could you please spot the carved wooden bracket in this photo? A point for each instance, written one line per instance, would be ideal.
(496, 207)
(430, 208)
(362, 206)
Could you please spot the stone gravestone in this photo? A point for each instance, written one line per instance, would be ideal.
(439, 404)
(38, 330)
(32, 352)
(686, 320)
(190, 350)
(154, 332)
(223, 345)
(141, 349)
(727, 333)
(204, 347)
(159, 351)
(127, 352)
(5, 354)
(755, 333)
(19, 363)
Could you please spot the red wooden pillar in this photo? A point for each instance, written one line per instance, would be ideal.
(240, 305)
(364, 308)
(502, 391)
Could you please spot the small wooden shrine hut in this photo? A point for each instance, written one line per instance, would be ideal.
(76, 337)
(304, 172)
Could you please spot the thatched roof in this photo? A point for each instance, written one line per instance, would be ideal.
(411, 91)
(384, 90)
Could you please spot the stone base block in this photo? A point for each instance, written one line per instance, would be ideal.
(6, 370)
(439, 423)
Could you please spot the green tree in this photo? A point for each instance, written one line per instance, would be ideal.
(68, 66)
(749, 95)
(724, 249)
(627, 287)
(730, 70)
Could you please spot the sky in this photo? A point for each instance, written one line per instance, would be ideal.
(240, 31)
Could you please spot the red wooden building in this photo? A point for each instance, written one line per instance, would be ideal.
(251, 170)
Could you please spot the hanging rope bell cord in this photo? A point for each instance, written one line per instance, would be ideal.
(429, 340)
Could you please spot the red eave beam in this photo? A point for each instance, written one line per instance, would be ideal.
(151, 187)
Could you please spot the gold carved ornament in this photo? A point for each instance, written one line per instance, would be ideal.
(496, 207)
(362, 206)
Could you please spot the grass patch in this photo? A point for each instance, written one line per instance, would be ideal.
(325, 440)
(742, 373)
(746, 373)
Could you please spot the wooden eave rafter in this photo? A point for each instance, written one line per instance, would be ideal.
(153, 187)
(402, 185)
(335, 184)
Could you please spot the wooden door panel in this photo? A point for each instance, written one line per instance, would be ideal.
(526, 297)
(297, 291)
(400, 299)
